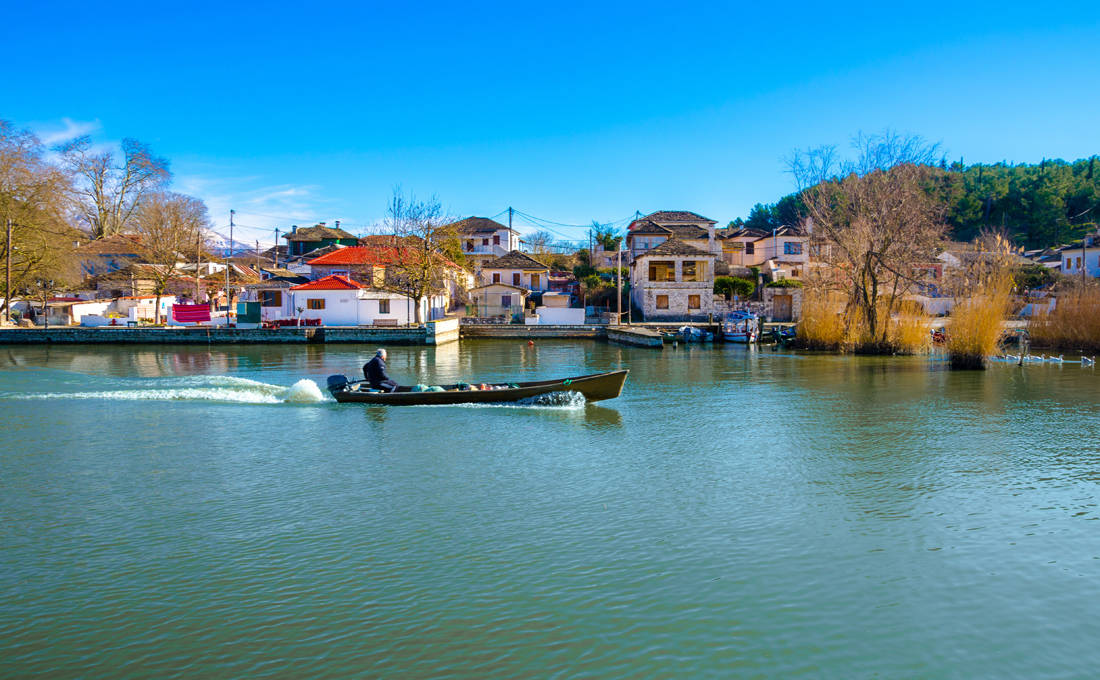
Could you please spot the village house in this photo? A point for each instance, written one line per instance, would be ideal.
(273, 294)
(673, 281)
(516, 269)
(497, 300)
(381, 268)
(484, 239)
(650, 231)
(309, 239)
(341, 301)
(1082, 257)
(781, 253)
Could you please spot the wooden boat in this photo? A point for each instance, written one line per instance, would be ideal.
(595, 387)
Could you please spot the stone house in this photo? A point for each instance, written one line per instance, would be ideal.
(673, 281)
(648, 232)
(516, 269)
(308, 239)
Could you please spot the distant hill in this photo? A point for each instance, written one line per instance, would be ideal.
(1041, 204)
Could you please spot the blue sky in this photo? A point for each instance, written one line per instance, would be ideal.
(568, 112)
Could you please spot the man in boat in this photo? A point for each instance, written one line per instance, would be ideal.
(375, 373)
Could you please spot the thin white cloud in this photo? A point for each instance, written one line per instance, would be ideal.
(65, 130)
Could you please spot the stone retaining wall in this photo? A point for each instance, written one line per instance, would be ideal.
(203, 336)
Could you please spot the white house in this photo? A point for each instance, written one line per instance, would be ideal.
(516, 269)
(340, 301)
(1076, 258)
(484, 239)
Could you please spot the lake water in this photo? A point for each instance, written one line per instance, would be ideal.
(165, 512)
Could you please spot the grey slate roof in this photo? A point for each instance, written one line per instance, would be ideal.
(477, 225)
(675, 246)
(515, 260)
(317, 233)
(678, 216)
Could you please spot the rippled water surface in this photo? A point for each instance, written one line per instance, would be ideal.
(208, 513)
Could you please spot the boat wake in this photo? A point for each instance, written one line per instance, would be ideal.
(565, 401)
(226, 389)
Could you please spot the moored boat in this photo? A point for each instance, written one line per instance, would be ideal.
(740, 326)
(595, 387)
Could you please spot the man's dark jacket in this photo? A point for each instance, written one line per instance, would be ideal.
(375, 373)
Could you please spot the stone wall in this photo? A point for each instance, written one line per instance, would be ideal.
(204, 336)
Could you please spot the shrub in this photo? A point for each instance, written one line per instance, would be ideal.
(732, 285)
(783, 283)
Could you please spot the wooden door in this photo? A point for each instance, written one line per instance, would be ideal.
(781, 308)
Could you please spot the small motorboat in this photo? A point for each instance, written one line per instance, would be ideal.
(595, 387)
(741, 326)
(693, 334)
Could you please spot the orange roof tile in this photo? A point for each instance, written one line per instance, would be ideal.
(334, 282)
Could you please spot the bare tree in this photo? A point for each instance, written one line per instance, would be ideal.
(109, 194)
(874, 220)
(34, 195)
(168, 226)
(426, 244)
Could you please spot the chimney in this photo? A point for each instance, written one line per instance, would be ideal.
(337, 224)
(294, 228)
(320, 224)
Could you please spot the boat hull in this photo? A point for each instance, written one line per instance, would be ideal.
(596, 387)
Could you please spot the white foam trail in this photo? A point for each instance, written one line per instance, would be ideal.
(304, 391)
(205, 388)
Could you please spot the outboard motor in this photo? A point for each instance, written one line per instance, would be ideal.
(337, 383)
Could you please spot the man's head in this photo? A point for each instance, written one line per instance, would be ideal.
(381, 353)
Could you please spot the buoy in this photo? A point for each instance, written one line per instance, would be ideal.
(531, 343)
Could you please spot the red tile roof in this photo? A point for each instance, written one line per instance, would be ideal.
(365, 255)
(334, 282)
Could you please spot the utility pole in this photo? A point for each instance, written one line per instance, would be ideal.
(228, 255)
(619, 286)
(198, 265)
(7, 277)
(510, 211)
(275, 255)
(257, 256)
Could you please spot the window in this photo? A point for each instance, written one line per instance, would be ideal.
(693, 271)
(484, 241)
(515, 279)
(694, 302)
(505, 300)
(534, 281)
(469, 245)
(496, 277)
(792, 248)
(271, 298)
(315, 303)
(750, 248)
(1078, 263)
(496, 239)
(383, 306)
(1068, 261)
(661, 270)
(662, 302)
(338, 272)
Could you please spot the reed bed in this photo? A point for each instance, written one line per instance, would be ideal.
(976, 324)
(822, 324)
(829, 323)
(1074, 323)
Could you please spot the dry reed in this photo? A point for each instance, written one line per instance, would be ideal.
(1074, 323)
(822, 324)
